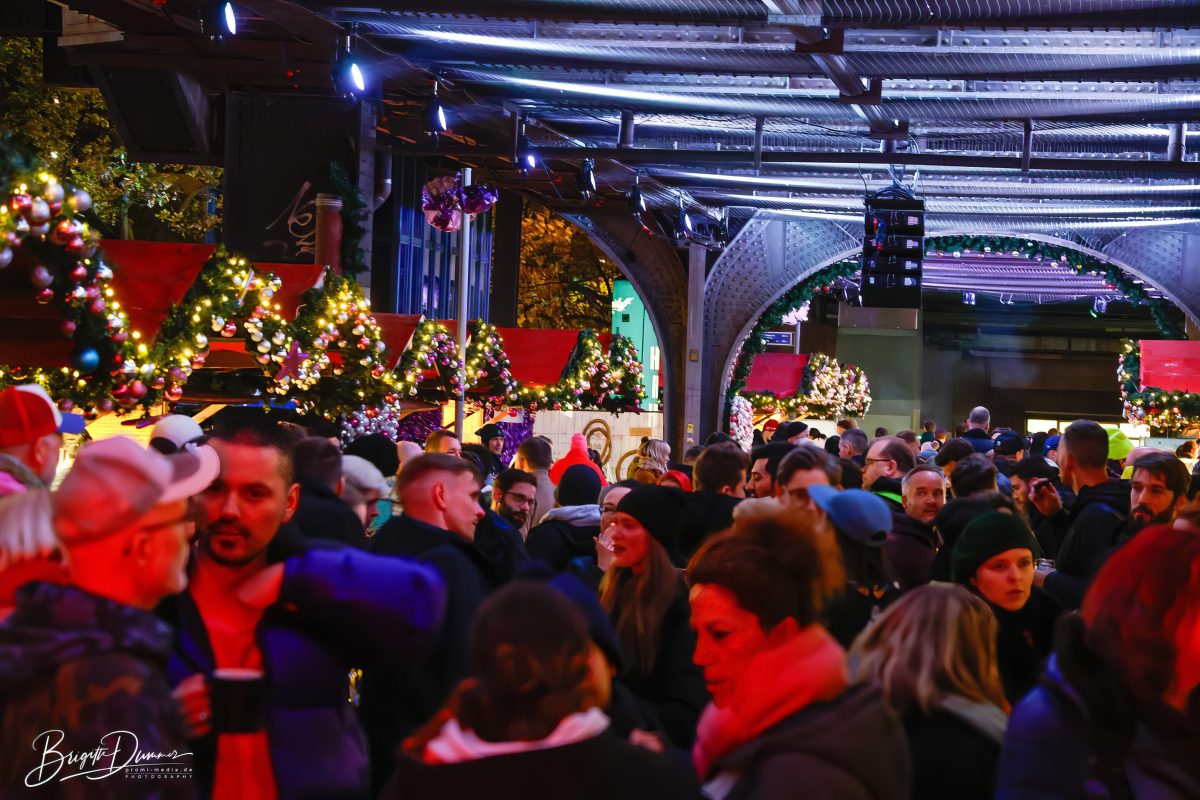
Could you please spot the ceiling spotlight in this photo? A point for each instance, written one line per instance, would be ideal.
(220, 20)
(637, 203)
(349, 75)
(435, 115)
(1099, 306)
(683, 227)
(585, 179)
(968, 298)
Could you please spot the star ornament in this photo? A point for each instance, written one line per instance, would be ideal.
(291, 362)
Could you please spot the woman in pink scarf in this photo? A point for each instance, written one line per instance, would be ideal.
(783, 722)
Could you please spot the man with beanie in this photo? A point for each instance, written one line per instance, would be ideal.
(572, 526)
(83, 660)
(994, 558)
(1084, 536)
(31, 429)
(492, 436)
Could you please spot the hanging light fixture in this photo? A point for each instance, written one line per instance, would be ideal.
(634, 198)
(349, 74)
(585, 179)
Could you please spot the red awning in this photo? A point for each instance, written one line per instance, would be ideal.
(296, 279)
(777, 373)
(150, 277)
(538, 356)
(1171, 365)
(397, 330)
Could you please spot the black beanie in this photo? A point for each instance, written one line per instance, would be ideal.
(579, 485)
(660, 509)
(988, 535)
(378, 449)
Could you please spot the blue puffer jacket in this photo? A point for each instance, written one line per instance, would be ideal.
(1078, 738)
(337, 610)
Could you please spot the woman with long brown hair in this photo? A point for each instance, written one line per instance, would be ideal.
(933, 653)
(646, 599)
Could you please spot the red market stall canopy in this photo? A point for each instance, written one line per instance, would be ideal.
(538, 357)
(1171, 365)
(779, 374)
(397, 330)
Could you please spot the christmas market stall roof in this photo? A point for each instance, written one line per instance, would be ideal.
(538, 357)
(779, 374)
(398, 330)
(1171, 365)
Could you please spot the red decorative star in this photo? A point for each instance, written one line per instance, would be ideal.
(291, 362)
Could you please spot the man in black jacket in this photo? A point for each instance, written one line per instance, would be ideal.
(321, 513)
(978, 422)
(571, 528)
(912, 543)
(720, 479)
(440, 497)
(1093, 526)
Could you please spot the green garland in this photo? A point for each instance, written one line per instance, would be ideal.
(487, 366)
(1166, 318)
(354, 214)
(797, 296)
(627, 371)
(828, 389)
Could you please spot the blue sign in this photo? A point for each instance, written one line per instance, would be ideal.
(784, 338)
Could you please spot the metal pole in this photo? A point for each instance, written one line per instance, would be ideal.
(464, 269)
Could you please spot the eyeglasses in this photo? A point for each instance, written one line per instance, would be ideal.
(521, 499)
(878, 460)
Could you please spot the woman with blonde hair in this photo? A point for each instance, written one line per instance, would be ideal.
(933, 653)
(646, 599)
(653, 461)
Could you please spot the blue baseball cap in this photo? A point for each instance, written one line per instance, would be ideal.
(1052, 442)
(857, 514)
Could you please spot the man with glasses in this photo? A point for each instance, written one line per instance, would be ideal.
(514, 496)
(807, 465)
(83, 661)
(888, 460)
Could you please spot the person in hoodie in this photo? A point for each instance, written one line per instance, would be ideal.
(784, 721)
(933, 653)
(720, 484)
(570, 529)
(1115, 714)
(576, 455)
(994, 558)
(528, 722)
(1087, 534)
(321, 512)
(912, 543)
(83, 660)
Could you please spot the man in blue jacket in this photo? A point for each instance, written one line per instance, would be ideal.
(290, 621)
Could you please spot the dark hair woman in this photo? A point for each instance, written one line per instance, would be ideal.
(1117, 713)
(994, 558)
(527, 724)
(646, 599)
(783, 722)
(933, 653)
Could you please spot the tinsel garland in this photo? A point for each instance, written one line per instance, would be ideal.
(1167, 413)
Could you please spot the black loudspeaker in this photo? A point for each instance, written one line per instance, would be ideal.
(893, 247)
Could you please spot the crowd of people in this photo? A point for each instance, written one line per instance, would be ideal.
(255, 611)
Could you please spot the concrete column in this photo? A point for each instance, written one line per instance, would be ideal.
(694, 367)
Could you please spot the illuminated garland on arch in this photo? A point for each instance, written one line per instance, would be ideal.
(1166, 413)
(1169, 324)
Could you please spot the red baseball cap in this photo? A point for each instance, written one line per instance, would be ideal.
(27, 414)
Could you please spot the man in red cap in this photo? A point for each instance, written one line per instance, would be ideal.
(31, 429)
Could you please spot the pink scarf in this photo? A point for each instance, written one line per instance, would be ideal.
(808, 668)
